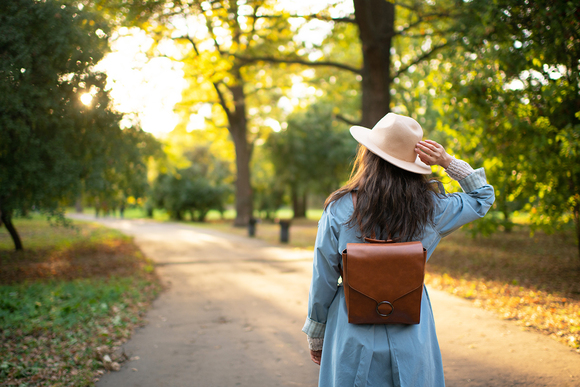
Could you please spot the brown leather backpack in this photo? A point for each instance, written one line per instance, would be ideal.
(383, 281)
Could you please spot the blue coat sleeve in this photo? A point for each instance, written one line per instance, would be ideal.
(455, 210)
(325, 274)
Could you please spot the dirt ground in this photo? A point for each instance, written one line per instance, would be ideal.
(234, 308)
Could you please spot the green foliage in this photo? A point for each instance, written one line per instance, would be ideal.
(341, 88)
(313, 154)
(46, 53)
(195, 189)
(59, 305)
(516, 93)
(220, 66)
(269, 189)
(51, 144)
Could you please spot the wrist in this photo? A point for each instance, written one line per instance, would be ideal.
(447, 159)
(315, 343)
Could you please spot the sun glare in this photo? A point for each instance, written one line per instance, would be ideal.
(148, 88)
(86, 99)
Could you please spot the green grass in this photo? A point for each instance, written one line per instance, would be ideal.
(68, 302)
(36, 233)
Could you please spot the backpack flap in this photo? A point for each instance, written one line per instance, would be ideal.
(385, 273)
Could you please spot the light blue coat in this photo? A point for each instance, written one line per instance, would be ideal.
(381, 355)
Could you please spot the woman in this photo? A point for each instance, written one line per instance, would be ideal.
(394, 197)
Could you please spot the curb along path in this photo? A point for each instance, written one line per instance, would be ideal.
(234, 308)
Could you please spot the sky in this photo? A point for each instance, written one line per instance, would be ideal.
(146, 88)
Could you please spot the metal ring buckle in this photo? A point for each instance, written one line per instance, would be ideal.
(382, 314)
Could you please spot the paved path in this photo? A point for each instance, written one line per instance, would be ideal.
(235, 306)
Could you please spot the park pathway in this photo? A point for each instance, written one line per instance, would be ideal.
(234, 308)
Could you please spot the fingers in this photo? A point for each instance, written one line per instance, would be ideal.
(316, 356)
(430, 145)
(430, 152)
(427, 153)
(430, 148)
(434, 143)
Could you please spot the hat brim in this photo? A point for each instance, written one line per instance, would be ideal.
(361, 134)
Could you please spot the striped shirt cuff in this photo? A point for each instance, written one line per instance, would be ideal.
(474, 181)
(458, 169)
(315, 343)
(313, 328)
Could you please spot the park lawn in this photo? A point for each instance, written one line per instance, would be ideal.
(534, 281)
(68, 302)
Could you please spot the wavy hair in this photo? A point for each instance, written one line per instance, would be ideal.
(391, 202)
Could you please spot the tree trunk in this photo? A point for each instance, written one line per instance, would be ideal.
(239, 129)
(577, 224)
(7, 220)
(502, 206)
(79, 205)
(298, 203)
(375, 19)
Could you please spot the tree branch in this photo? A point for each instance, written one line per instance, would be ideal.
(346, 120)
(299, 61)
(420, 59)
(311, 17)
(210, 28)
(423, 19)
(423, 35)
(402, 5)
(223, 101)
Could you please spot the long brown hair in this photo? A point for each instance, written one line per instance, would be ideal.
(390, 201)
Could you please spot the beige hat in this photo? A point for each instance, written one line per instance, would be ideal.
(393, 138)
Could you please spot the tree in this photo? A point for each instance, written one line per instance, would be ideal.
(219, 33)
(50, 141)
(425, 26)
(522, 76)
(116, 166)
(312, 155)
(196, 189)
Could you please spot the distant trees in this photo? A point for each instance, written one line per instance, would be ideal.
(51, 143)
(312, 155)
(196, 189)
(216, 36)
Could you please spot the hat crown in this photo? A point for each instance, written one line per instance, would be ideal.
(397, 136)
(393, 139)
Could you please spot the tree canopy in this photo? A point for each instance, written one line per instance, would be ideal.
(51, 142)
(518, 107)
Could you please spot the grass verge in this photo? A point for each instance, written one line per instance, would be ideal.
(532, 281)
(68, 302)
